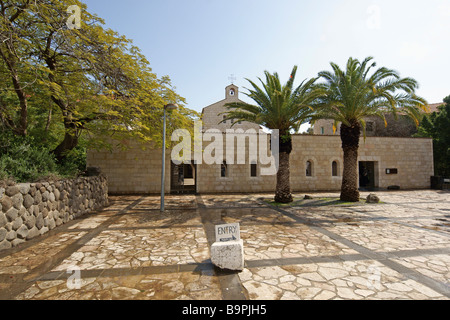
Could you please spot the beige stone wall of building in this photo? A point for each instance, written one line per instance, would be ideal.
(238, 180)
(402, 126)
(138, 170)
(321, 151)
(325, 127)
(238, 176)
(413, 158)
(134, 170)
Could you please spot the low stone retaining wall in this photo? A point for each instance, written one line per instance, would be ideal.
(29, 210)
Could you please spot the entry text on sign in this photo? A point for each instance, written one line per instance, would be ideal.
(228, 232)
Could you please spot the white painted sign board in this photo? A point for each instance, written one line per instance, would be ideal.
(228, 232)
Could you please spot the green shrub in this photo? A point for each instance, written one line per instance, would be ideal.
(25, 160)
(27, 163)
(74, 163)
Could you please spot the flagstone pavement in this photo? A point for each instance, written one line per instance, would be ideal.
(398, 249)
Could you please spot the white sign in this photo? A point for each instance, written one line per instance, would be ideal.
(228, 232)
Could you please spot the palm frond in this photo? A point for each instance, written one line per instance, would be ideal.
(277, 106)
(358, 92)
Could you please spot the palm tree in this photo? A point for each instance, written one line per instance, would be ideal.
(354, 94)
(280, 107)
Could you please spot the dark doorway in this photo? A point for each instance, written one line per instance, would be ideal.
(367, 175)
(183, 178)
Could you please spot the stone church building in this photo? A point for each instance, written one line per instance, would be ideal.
(386, 159)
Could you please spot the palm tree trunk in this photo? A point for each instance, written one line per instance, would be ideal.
(350, 144)
(283, 191)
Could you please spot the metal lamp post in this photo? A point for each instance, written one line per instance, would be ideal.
(163, 178)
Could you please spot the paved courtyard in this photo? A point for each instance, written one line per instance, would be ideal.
(315, 250)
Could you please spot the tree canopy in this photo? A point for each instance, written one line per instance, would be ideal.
(359, 92)
(64, 83)
(437, 126)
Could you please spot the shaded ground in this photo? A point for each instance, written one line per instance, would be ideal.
(395, 250)
(313, 202)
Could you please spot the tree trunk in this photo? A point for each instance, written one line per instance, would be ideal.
(69, 143)
(23, 122)
(350, 136)
(283, 191)
(10, 62)
(70, 140)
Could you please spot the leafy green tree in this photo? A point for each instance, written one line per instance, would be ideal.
(87, 83)
(17, 72)
(281, 107)
(356, 93)
(437, 126)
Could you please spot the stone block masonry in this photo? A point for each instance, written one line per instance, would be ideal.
(29, 210)
(141, 172)
(137, 170)
(228, 255)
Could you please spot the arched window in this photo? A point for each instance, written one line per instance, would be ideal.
(309, 168)
(335, 169)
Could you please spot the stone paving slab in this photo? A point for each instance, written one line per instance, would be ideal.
(398, 249)
(354, 280)
(177, 286)
(24, 261)
(382, 236)
(273, 242)
(434, 266)
(227, 201)
(254, 216)
(138, 248)
(142, 219)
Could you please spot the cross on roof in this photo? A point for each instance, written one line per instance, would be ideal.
(232, 78)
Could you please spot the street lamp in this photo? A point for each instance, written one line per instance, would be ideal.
(166, 107)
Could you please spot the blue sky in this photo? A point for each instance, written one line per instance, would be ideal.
(200, 43)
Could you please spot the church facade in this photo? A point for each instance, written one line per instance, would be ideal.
(316, 162)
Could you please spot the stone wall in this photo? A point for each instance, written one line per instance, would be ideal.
(138, 170)
(413, 158)
(29, 210)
